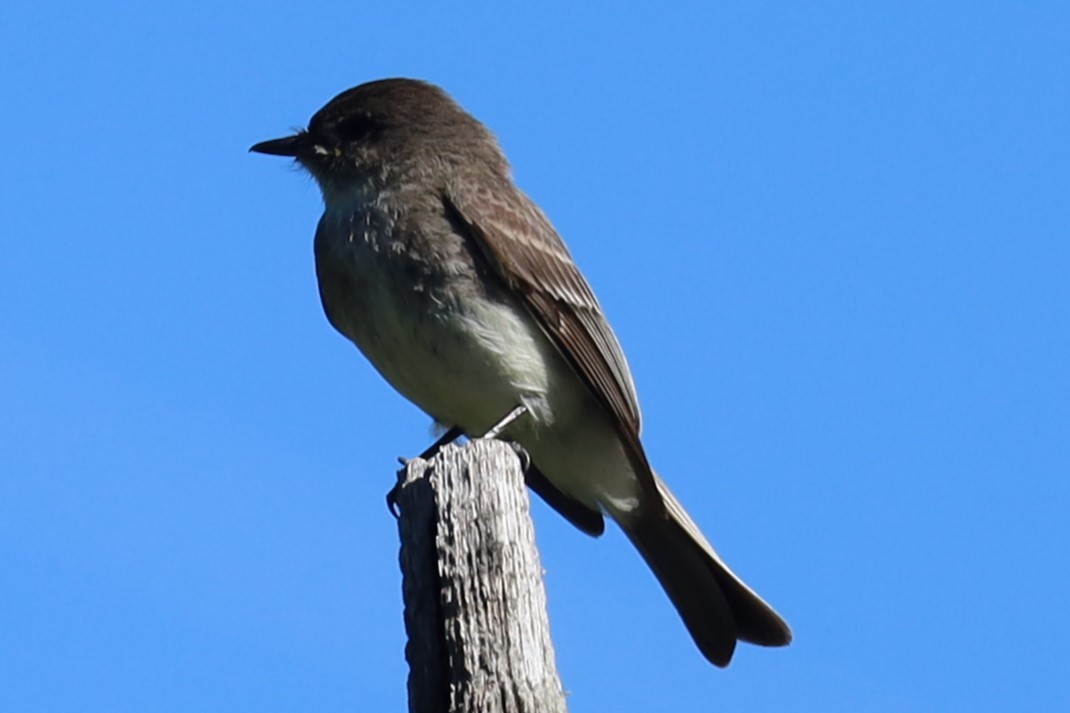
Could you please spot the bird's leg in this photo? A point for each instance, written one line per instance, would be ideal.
(451, 435)
(495, 431)
(513, 415)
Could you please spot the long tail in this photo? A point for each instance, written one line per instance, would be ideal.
(717, 607)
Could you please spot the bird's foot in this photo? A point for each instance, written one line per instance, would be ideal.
(522, 454)
(451, 435)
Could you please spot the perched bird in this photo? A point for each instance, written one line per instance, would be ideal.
(462, 295)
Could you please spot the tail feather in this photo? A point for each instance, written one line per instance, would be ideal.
(716, 606)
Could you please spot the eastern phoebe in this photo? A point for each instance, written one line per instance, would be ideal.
(460, 293)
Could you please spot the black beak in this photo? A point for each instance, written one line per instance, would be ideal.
(289, 146)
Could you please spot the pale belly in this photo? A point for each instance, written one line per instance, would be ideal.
(467, 359)
(470, 371)
(465, 368)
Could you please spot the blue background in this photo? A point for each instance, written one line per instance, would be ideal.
(834, 239)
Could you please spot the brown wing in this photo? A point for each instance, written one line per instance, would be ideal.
(518, 240)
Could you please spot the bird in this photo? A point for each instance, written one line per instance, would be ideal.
(459, 291)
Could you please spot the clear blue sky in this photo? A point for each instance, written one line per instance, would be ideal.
(834, 239)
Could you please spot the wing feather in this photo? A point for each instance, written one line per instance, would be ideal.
(528, 254)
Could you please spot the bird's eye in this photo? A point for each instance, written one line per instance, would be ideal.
(357, 128)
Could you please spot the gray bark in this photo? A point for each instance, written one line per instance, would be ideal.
(475, 605)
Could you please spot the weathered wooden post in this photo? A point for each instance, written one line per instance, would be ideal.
(475, 605)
